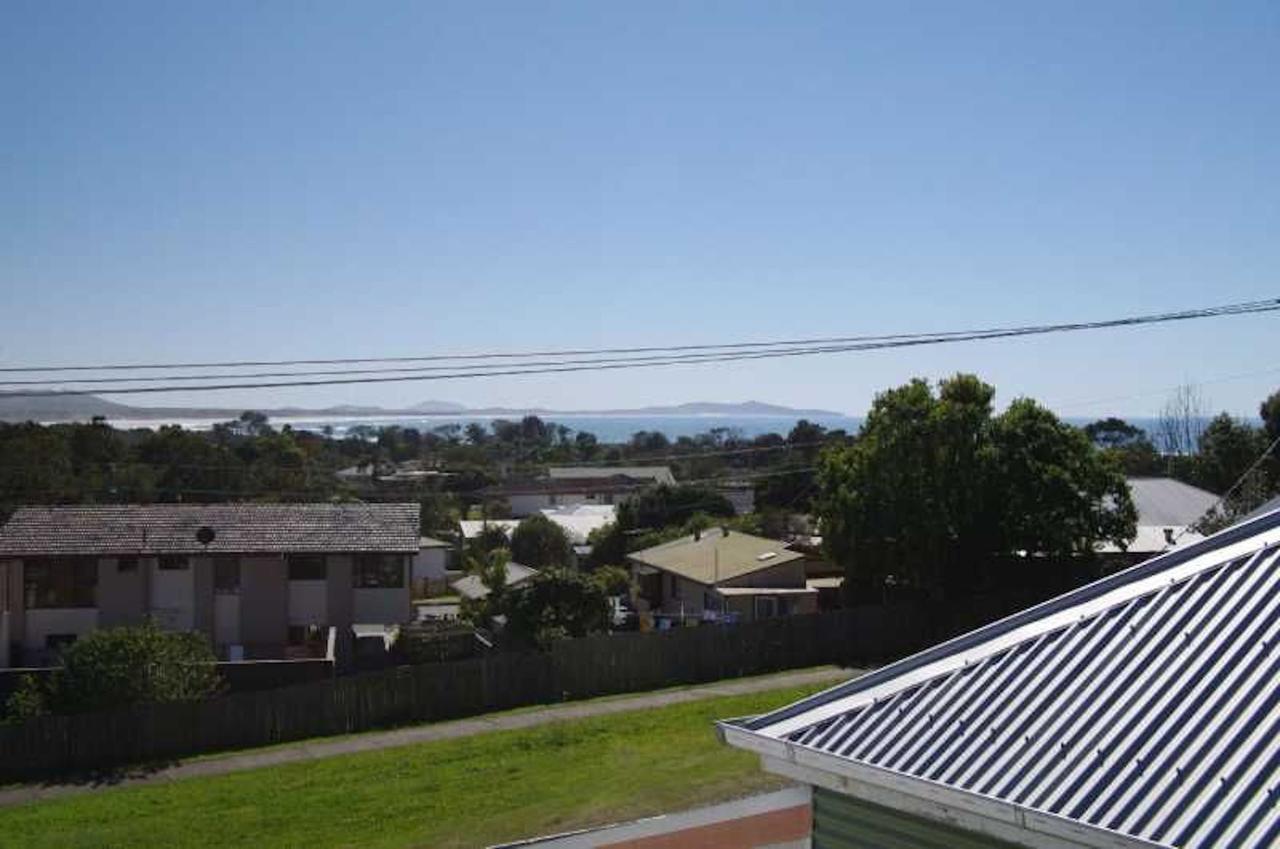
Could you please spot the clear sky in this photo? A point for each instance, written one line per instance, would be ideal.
(279, 180)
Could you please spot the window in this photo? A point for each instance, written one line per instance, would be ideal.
(307, 567)
(174, 562)
(766, 607)
(378, 571)
(58, 642)
(126, 564)
(226, 575)
(53, 582)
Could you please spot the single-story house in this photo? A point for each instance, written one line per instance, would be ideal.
(1142, 710)
(472, 587)
(1167, 510)
(720, 574)
(257, 579)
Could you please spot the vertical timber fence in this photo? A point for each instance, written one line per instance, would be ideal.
(572, 669)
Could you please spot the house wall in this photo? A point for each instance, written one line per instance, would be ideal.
(527, 504)
(121, 596)
(41, 623)
(172, 600)
(384, 606)
(309, 602)
(6, 658)
(202, 594)
(339, 591)
(845, 822)
(264, 605)
(430, 563)
(16, 603)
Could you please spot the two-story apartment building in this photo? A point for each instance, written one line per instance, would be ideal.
(261, 580)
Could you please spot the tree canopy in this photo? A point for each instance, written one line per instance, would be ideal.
(539, 543)
(936, 484)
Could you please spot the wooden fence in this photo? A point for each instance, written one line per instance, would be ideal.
(573, 669)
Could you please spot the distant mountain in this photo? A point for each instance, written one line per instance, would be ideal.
(59, 408)
(442, 407)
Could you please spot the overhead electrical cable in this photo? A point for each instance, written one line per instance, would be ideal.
(680, 355)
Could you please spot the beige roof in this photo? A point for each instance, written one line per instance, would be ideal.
(716, 556)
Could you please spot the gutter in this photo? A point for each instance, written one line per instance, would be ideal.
(925, 798)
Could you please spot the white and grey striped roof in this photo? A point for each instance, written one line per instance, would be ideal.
(1143, 709)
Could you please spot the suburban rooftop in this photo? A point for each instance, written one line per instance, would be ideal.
(716, 555)
(237, 528)
(1138, 710)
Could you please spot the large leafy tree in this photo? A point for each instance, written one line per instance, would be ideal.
(539, 543)
(936, 486)
(663, 506)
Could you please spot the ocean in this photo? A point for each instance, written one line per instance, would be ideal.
(610, 429)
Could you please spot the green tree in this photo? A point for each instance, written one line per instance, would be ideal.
(1270, 412)
(555, 605)
(1227, 449)
(116, 667)
(935, 486)
(663, 506)
(539, 543)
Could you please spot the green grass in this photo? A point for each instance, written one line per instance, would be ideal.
(453, 793)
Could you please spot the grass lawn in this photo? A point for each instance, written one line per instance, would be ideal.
(452, 793)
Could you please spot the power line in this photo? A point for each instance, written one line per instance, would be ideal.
(879, 343)
(1222, 499)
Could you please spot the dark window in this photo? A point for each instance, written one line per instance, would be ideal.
(307, 567)
(60, 582)
(313, 636)
(379, 571)
(57, 642)
(126, 564)
(226, 575)
(175, 562)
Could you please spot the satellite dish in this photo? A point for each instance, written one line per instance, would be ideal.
(205, 535)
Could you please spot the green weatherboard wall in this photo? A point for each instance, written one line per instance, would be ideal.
(843, 822)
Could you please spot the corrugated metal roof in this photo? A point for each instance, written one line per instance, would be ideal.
(238, 528)
(1146, 705)
(470, 586)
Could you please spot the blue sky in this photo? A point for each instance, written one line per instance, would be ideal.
(280, 180)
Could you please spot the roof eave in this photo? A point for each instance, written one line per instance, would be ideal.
(921, 797)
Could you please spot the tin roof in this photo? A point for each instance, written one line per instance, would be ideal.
(1143, 709)
(237, 528)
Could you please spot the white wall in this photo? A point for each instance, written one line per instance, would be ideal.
(309, 602)
(41, 622)
(173, 594)
(381, 606)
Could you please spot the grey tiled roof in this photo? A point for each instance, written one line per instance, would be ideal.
(238, 528)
